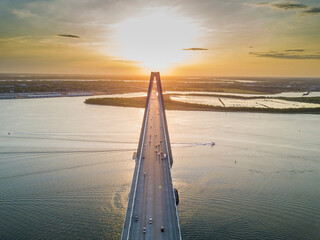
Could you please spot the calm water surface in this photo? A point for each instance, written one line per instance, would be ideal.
(66, 170)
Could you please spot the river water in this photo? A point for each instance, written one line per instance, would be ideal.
(66, 170)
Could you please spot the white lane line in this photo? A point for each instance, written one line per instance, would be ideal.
(174, 197)
(126, 212)
(137, 177)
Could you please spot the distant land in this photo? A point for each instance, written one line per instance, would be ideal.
(139, 102)
(103, 84)
(245, 93)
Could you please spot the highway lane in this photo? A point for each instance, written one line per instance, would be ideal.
(151, 195)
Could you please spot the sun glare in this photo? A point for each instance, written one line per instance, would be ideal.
(155, 39)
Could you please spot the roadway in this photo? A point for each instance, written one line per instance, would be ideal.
(152, 196)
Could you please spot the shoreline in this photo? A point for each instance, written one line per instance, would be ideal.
(44, 95)
(139, 102)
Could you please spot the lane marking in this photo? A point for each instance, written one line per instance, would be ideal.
(137, 177)
(165, 135)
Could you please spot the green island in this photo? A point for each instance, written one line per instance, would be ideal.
(139, 102)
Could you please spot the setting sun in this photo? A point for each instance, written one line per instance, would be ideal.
(155, 39)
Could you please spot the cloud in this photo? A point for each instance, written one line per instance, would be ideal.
(195, 49)
(313, 10)
(289, 5)
(285, 55)
(281, 5)
(260, 4)
(294, 50)
(14, 39)
(257, 4)
(23, 13)
(68, 35)
(124, 61)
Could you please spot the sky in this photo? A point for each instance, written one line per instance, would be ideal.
(176, 37)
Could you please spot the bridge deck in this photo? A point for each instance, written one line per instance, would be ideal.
(152, 194)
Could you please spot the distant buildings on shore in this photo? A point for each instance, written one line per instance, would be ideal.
(43, 95)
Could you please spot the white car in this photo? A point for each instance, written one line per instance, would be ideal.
(150, 220)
